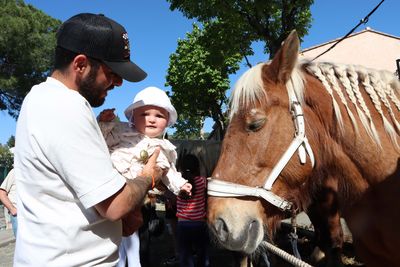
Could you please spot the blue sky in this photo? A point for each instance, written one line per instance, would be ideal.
(154, 30)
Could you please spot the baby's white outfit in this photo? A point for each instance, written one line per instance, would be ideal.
(126, 145)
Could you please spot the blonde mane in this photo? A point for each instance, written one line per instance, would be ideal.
(250, 88)
(381, 86)
(247, 90)
(342, 80)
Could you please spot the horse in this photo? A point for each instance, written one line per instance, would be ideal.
(319, 137)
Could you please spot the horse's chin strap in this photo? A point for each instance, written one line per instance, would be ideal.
(300, 143)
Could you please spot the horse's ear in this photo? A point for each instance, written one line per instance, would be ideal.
(285, 59)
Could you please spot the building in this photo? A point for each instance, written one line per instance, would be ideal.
(368, 47)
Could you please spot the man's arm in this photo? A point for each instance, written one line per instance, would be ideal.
(7, 203)
(132, 194)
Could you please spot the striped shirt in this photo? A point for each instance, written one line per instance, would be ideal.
(193, 208)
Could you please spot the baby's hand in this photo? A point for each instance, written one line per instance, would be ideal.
(107, 115)
(186, 189)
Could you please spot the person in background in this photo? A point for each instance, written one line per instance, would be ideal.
(192, 230)
(171, 222)
(73, 205)
(8, 198)
(131, 143)
(153, 227)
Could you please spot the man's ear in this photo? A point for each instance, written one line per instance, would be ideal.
(80, 63)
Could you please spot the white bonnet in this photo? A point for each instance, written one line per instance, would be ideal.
(155, 97)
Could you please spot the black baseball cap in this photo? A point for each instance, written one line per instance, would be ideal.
(101, 38)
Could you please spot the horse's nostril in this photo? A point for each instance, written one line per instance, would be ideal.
(222, 229)
(253, 229)
(253, 224)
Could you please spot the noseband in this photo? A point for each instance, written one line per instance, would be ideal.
(300, 143)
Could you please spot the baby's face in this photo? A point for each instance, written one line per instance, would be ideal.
(150, 120)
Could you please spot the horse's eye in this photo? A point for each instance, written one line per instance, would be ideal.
(255, 125)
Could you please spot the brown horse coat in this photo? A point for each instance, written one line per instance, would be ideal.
(351, 120)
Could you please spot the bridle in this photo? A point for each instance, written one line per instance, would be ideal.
(300, 143)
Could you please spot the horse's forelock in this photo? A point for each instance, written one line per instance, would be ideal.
(249, 89)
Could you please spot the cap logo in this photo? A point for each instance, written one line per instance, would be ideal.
(125, 39)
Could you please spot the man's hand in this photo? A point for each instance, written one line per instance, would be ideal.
(151, 169)
(107, 115)
(13, 211)
(132, 194)
(132, 222)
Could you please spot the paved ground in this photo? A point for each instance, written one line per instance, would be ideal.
(7, 242)
(6, 255)
(161, 247)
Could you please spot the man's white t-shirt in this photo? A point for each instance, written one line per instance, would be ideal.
(8, 185)
(62, 169)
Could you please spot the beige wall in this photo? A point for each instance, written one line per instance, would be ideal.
(368, 48)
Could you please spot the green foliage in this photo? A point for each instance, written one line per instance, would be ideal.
(269, 21)
(6, 157)
(199, 69)
(198, 74)
(11, 141)
(27, 41)
(186, 129)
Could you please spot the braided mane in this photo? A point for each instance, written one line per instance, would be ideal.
(342, 80)
(381, 86)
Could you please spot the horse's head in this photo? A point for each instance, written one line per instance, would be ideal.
(265, 121)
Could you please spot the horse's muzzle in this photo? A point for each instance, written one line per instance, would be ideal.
(246, 239)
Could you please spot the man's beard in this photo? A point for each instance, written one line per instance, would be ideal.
(92, 92)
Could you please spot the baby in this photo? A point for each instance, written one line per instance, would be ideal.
(131, 144)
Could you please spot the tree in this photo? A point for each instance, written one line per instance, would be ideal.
(6, 157)
(198, 74)
(27, 41)
(269, 21)
(11, 141)
(199, 69)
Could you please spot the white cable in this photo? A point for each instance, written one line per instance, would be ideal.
(286, 256)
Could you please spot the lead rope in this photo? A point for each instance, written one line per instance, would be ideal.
(286, 256)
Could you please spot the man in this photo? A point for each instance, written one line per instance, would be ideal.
(7, 197)
(70, 198)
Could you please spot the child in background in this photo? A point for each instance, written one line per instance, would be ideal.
(192, 230)
(131, 144)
